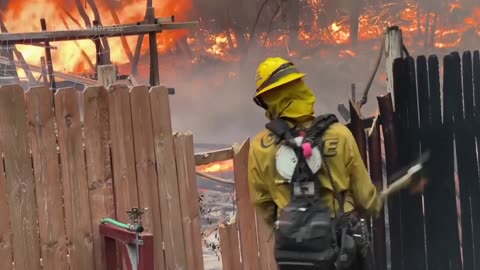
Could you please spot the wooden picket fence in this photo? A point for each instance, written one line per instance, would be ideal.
(73, 158)
(245, 243)
(428, 110)
(61, 175)
(428, 231)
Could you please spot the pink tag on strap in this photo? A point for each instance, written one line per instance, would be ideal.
(307, 150)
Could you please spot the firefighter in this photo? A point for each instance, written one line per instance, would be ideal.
(282, 93)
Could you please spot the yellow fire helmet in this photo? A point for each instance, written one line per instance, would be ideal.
(272, 73)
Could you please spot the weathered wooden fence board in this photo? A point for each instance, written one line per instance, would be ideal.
(376, 173)
(412, 207)
(145, 166)
(473, 122)
(423, 101)
(434, 204)
(358, 132)
(167, 179)
(75, 193)
(47, 178)
(425, 144)
(448, 162)
(476, 85)
(466, 155)
(189, 204)
(99, 169)
(463, 157)
(246, 213)
(265, 245)
(440, 202)
(19, 178)
(5, 233)
(230, 246)
(123, 156)
(74, 179)
(395, 210)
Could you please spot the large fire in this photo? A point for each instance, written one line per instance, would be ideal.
(25, 15)
(420, 27)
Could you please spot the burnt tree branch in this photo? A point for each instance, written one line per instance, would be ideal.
(83, 13)
(105, 45)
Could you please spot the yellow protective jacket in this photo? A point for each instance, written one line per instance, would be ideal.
(340, 150)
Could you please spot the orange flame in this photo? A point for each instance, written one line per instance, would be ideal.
(221, 166)
(25, 15)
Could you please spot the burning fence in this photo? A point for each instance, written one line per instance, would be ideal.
(229, 28)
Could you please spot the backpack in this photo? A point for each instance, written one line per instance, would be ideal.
(305, 233)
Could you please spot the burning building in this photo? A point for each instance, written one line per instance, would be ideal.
(228, 28)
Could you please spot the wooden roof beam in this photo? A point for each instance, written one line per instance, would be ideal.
(92, 33)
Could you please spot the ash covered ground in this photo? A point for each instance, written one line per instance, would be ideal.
(217, 204)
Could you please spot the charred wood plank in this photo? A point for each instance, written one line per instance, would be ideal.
(356, 127)
(387, 117)
(92, 33)
(434, 250)
(440, 200)
(423, 99)
(476, 83)
(473, 118)
(83, 13)
(412, 209)
(466, 154)
(400, 120)
(375, 161)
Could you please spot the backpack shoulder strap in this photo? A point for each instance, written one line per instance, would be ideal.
(321, 124)
(280, 128)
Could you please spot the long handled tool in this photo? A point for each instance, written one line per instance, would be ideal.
(404, 178)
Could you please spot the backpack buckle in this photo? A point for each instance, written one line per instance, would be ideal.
(303, 188)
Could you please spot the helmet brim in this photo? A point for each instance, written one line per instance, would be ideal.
(282, 81)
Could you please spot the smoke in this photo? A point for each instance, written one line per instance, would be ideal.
(219, 109)
(214, 101)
